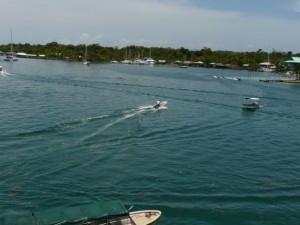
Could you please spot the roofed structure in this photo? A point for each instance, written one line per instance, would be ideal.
(292, 61)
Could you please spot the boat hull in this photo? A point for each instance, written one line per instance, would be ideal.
(250, 107)
(97, 213)
(145, 217)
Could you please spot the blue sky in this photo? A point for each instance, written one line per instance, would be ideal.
(237, 25)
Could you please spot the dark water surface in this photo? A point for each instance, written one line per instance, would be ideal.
(72, 134)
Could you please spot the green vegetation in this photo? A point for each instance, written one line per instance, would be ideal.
(99, 53)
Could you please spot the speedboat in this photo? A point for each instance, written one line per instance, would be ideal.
(159, 104)
(251, 103)
(97, 213)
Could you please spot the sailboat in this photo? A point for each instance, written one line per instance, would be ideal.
(85, 61)
(9, 56)
(267, 66)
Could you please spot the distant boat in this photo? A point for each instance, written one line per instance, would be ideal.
(149, 61)
(97, 213)
(233, 78)
(85, 60)
(267, 66)
(250, 103)
(1, 70)
(126, 61)
(10, 55)
(139, 62)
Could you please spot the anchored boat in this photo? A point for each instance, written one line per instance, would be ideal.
(97, 213)
(10, 55)
(86, 61)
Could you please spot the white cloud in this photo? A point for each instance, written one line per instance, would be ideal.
(99, 37)
(65, 41)
(84, 37)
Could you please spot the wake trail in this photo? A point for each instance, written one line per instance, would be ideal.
(5, 73)
(62, 127)
(126, 115)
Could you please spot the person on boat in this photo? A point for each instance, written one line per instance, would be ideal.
(157, 105)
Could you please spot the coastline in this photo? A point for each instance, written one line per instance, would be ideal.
(282, 81)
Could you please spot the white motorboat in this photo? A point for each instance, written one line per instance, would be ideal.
(251, 103)
(126, 61)
(97, 213)
(139, 62)
(149, 61)
(160, 104)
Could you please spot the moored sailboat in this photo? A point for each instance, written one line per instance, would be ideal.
(85, 60)
(10, 55)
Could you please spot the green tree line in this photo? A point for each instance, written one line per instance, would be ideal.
(99, 53)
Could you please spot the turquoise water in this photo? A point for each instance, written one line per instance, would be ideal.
(72, 134)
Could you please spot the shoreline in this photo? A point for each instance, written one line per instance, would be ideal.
(282, 81)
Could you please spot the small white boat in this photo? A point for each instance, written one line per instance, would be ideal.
(159, 104)
(149, 61)
(251, 103)
(97, 213)
(86, 62)
(126, 61)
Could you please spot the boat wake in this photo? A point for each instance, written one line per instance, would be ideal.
(127, 114)
(4, 73)
(228, 78)
(102, 123)
(62, 127)
(163, 105)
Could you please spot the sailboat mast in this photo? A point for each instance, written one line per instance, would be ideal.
(11, 47)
